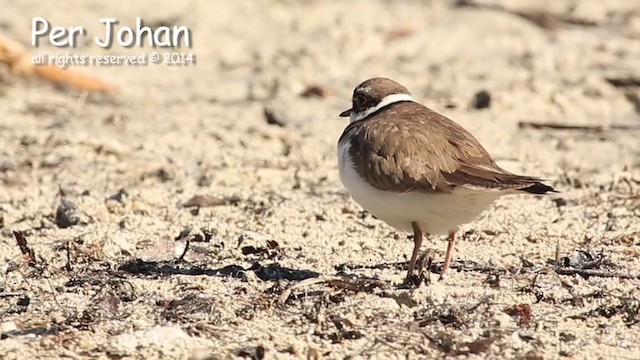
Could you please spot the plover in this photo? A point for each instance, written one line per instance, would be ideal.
(417, 170)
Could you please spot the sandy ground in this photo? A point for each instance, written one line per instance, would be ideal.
(274, 214)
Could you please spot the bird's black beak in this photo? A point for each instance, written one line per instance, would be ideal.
(346, 113)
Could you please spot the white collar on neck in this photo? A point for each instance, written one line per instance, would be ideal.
(386, 101)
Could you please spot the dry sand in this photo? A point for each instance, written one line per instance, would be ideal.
(113, 287)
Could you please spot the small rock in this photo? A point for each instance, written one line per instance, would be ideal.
(272, 118)
(481, 100)
(120, 196)
(67, 214)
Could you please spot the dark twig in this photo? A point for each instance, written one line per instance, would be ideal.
(5, 294)
(210, 201)
(588, 128)
(629, 81)
(543, 19)
(67, 266)
(435, 267)
(596, 273)
(470, 266)
(26, 251)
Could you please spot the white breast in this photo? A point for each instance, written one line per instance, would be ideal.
(434, 213)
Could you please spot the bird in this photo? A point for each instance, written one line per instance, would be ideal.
(417, 170)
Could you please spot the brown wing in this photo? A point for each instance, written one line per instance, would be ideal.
(425, 151)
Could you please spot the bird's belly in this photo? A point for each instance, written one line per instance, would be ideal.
(434, 213)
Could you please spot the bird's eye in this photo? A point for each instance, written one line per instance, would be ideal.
(359, 101)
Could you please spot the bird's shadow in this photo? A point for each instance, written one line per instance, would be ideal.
(264, 272)
(162, 268)
(276, 272)
(272, 271)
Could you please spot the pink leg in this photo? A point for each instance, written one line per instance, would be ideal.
(448, 256)
(417, 243)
